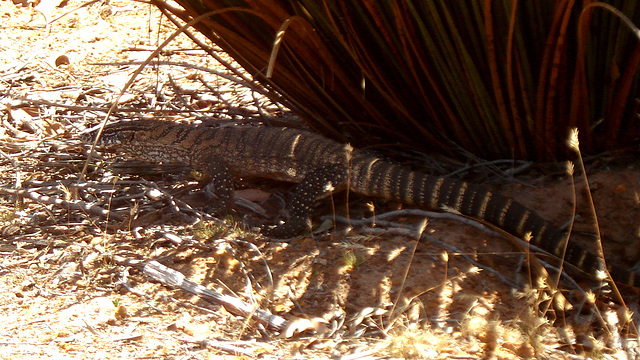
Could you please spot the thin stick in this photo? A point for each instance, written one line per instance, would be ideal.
(234, 305)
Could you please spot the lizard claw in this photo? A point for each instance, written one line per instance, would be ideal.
(293, 227)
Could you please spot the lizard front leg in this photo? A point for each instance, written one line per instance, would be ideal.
(220, 187)
(316, 185)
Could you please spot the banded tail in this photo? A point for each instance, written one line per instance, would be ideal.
(376, 177)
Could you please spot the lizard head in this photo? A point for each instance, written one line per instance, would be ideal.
(109, 139)
(120, 134)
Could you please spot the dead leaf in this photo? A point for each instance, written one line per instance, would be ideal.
(298, 325)
(62, 60)
(20, 116)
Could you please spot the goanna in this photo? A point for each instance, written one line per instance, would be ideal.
(320, 166)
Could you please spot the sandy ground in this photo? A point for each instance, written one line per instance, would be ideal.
(73, 281)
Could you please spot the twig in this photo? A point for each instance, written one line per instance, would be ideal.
(402, 229)
(11, 160)
(226, 346)
(173, 278)
(184, 65)
(260, 256)
(71, 205)
(30, 101)
(491, 165)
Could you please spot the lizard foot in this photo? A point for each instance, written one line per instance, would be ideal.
(293, 227)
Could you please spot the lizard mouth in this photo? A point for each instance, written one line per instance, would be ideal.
(105, 141)
(89, 138)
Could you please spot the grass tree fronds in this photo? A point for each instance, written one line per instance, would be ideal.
(628, 67)
(497, 78)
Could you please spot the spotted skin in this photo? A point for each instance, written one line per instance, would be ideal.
(321, 166)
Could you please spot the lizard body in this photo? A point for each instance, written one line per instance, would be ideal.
(320, 166)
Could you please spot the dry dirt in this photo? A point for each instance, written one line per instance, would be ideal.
(73, 283)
